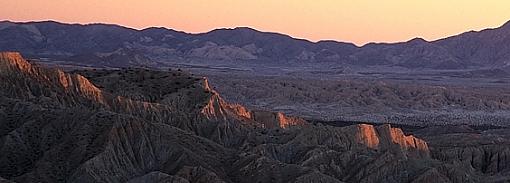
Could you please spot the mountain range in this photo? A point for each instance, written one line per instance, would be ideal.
(117, 46)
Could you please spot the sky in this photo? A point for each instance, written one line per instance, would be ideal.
(356, 21)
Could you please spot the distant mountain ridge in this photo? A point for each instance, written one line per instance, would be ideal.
(114, 45)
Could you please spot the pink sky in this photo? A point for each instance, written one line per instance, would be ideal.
(359, 21)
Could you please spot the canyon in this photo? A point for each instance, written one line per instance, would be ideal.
(107, 103)
(142, 125)
(459, 80)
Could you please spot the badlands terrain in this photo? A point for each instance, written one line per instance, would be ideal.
(139, 125)
(462, 79)
(106, 103)
(374, 100)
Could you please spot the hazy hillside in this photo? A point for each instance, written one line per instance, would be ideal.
(487, 47)
(105, 45)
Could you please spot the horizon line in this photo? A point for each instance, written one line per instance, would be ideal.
(248, 27)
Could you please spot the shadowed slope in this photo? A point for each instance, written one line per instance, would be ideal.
(117, 46)
(118, 127)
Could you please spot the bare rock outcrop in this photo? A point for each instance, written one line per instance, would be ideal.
(276, 119)
(136, 125)
(28, 82)
(395, 138)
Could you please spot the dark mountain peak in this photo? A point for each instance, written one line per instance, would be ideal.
(417, 40)
(5, 22)
(162, 30)
(246, 29)
(45, 22)
(100, 25)
(336, 43)
(55, 24)
(243, 35)
(156, 29)
(107, 27)
(242, 30)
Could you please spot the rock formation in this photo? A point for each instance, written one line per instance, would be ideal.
(137, 125)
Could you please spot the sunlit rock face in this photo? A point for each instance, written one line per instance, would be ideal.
(28, 81)
(218, 108)
(408, 143)
(368, 136)
(276, 119)
(137, 125)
